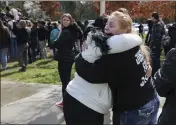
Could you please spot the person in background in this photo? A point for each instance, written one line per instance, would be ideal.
(155, 43)
(80, 25)
(34, 40)
(4, 45)
(42, 36)
(59, 25)
(86, 23)
(141, 30)
(49, 28)
(22, 43)
(54, 36)
(28, 27)
(13, 41)
(13, 12)
(65, 54)
(165, 83)
(172, 34)
(148, 37)
(78, 43)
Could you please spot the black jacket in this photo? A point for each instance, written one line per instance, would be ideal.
(65, 43)
(4, 38)
(130, 90)
(172, 34)
(157, 35)
(42, 33)
(165, 82)
(34, 36)
(23, 36)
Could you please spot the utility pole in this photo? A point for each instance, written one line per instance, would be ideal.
(102, 7)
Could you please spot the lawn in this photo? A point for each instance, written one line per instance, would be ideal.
(41, 71)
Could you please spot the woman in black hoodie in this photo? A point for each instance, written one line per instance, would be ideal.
(4, 45)
(65, 54)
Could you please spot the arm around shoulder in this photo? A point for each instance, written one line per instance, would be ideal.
(92, 72)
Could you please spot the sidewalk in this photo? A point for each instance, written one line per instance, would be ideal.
(38, 108)
(35, 104)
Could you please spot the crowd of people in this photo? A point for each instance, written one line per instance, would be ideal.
(114, 70)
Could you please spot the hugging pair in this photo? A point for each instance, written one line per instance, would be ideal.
(112, 71)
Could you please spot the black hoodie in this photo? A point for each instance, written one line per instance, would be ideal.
(165, 82)
(66, 42)
(172, 34)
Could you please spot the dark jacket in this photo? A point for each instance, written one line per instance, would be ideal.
(4, 38)
(157, 35)
(34, 36)
(141, 28)
(23, 36)
(65, 43)
(172, 34)
(125, 74)
(42, 33)
(148, 37)
(165, 82)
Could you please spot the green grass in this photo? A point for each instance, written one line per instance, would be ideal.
(41, 71)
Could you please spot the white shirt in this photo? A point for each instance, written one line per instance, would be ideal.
(12, 35)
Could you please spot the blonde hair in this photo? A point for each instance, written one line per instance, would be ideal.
(124, 20)
(146, 52)
(68, 16)
(22, 23)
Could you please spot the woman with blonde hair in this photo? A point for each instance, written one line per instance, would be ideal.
(134, 98)
(65, 54)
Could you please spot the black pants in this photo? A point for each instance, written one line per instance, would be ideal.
(29, 55)
(34, 51)
(23, 55)
(116, 118)
(76, 113)
(65, 73)
(155, 60)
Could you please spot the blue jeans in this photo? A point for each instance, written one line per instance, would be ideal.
(146, 115)
(13, 48)
(3, 57)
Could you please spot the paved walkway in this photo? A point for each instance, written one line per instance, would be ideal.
(33, 104)
(38, 107)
